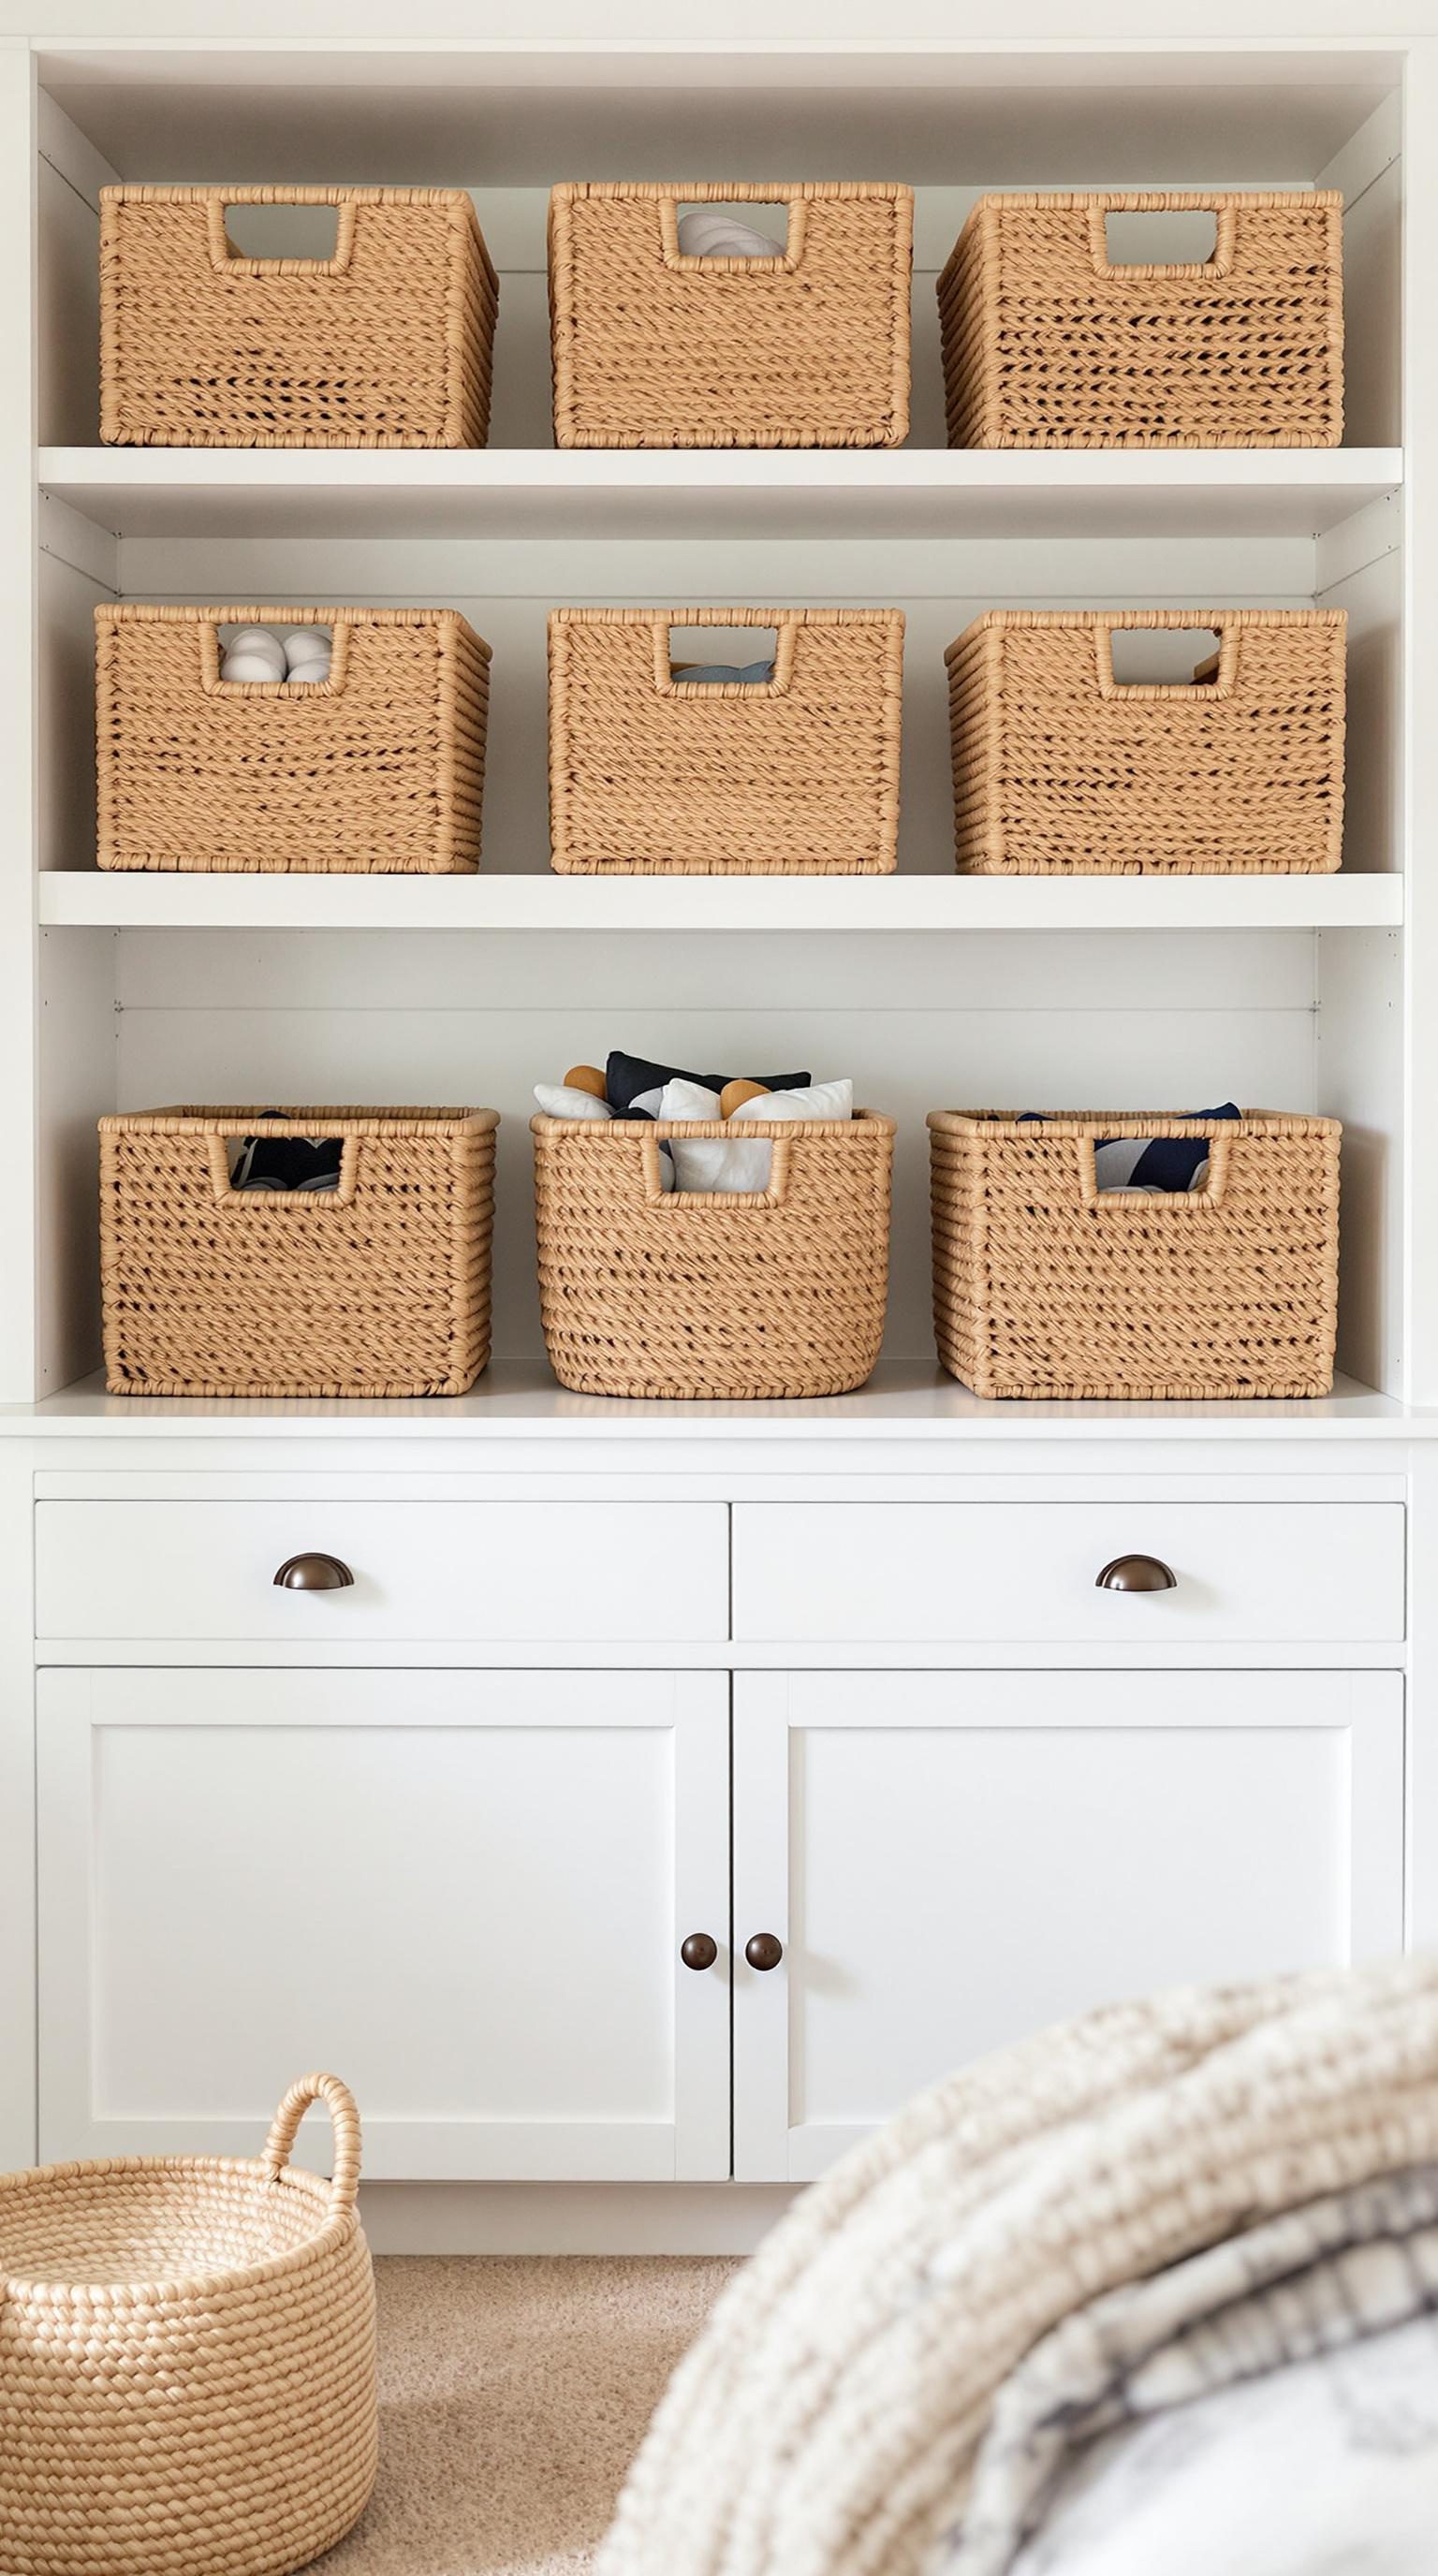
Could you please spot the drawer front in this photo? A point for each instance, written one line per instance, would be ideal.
(974, 1573)
(431, 1571)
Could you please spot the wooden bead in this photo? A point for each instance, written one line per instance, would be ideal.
(585, 1077)
(734, 1095)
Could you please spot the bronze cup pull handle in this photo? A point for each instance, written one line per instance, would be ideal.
(314, 1573)
(1136, 1574)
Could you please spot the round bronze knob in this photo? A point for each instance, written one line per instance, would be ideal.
(1136, 1574)
(314, 1574)
(699, 1951)
(764, 1951)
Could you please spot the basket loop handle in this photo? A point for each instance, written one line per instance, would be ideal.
(344, 2116)
(233, 263)
(1225, 247)
(1195, 692)
(717, 194)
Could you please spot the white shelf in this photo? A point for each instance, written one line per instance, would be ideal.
(541, 492)
(908, 1397)
(112, 899)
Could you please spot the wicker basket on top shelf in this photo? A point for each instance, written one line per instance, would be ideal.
(653, 348)
(1047, 342)
(388, 343)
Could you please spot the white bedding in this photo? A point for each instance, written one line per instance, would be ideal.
(1327, 2468)
(1268, 2407)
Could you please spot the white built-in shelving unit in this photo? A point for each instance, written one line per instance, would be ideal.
(126, 991)
(1295, 993)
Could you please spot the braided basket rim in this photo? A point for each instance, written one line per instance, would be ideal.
(1134, 1122)
(187, 1119)
(338, 2226)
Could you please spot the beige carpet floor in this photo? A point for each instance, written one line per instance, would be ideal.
(513, 2395)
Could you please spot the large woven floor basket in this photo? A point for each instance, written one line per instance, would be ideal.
(388, 342)
(376, 770)
(770, 1293)
(1045, 1285)
(653, 348)
(187, 2360)
(378, 1287)
(1236, 769)
(1048, 342)
(651, 774)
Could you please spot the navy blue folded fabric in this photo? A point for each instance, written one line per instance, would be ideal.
(628, 1077)
(1150, 1162)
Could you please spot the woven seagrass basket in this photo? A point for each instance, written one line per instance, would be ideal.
(651, 774)
(653, 348)
(1044, 1285)
(386, 344)
(376, 770)
(378, 1287)
(765, 1293)
(1047, 343)
(1059, 770)
(187, 2359)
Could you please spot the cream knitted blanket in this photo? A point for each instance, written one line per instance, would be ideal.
(828, 2420)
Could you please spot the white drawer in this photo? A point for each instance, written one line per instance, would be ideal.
(1027, 1573)
(427, 1571)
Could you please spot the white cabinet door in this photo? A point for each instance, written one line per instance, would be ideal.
(954, 1860)
(464, 1892)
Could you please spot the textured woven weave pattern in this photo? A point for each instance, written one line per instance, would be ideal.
(654, 775)
(387, 344)
(827, 2420)
(700, 1294)
(187, 2363)
(1046, 344)
(380, 1287)
(1061, 771)
(1046, 1286)
(376, 770)
(655, 349)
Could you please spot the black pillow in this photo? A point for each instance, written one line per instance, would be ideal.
(628, 1077)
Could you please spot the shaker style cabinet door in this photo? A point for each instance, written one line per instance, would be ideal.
(930, 1865)
(466, 1893)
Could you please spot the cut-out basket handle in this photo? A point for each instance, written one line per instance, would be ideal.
(762, 262)
(697, 1203)
(1195, 692)
(345, 2120)
(222, 1182)
(1121, 1203)
(294, 692)
(230, 262)
(783, 623)
(1225, 245)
